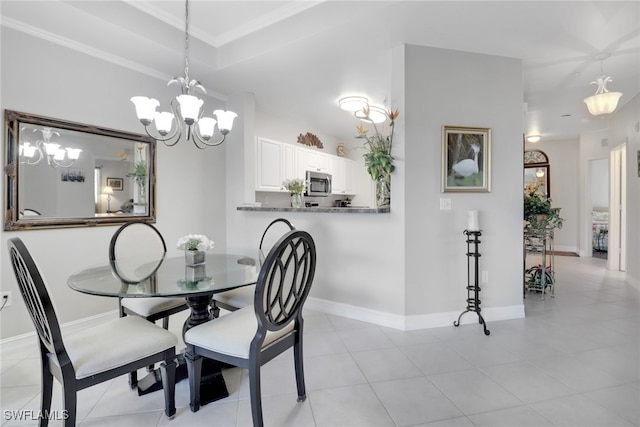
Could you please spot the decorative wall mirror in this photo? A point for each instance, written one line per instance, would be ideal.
(537, 171)
(66, 174)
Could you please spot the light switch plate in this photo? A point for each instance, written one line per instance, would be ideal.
(445, 204)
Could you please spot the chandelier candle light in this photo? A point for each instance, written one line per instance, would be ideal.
(186, 107)
(46, 149)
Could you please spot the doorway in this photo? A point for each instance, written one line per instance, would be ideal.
(599, 207)
(617, 208)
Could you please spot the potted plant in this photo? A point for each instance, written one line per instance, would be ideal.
(538, 213)
(537, 274)
(139, 175)
(296, 188)
(378, 159)
(194, 247)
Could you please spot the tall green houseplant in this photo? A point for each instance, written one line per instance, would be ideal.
(139, 175)
(378, 159)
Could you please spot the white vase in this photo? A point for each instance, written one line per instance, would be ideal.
(297, 201)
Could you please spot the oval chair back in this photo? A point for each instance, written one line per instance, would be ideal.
(136, 251)
(274, 231)
(284, 281)
(36, 297)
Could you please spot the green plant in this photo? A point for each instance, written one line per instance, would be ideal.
(536, 274)
(139, 173)
(295, 186)
(378, 159)
(538, 212)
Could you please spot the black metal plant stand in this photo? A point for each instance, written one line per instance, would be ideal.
(473, 290)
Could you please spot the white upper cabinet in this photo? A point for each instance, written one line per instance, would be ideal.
(348, 175)
(341, 170)
(277, 162)
(336, 169)
(269, 165)
(317, 161)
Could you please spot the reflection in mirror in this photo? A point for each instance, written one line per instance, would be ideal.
(536, 171)
(65, 174)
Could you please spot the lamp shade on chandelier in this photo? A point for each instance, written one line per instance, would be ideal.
(602, 102)
(187, 110)
(45, 149)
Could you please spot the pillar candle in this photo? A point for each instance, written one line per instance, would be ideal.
(472, 221)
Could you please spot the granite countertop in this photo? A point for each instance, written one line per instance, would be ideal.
(329, 209)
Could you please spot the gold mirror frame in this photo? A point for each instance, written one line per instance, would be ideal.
(15, 221)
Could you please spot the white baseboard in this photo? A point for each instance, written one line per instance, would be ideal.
(19, 341)
(413, 322)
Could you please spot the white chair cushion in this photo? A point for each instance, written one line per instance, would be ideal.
(147, 306)
(115, 343)
(239, 297)
(232, 333)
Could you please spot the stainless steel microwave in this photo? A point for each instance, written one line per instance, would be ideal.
(318, 184)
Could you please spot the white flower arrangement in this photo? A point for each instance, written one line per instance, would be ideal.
(195, 242)
(295, 186)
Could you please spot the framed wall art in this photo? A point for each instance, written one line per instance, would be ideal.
(115, 183)
(466, 159)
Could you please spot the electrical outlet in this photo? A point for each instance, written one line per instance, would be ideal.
(6, 296)
(485, 276)
(445, 204)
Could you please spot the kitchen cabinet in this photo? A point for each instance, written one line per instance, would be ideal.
(341, 170)
(277, 161)
(317, 161)
(269, 165)
(336, 169)
(348, 176)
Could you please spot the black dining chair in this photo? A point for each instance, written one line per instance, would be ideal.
(91, 356)
(254, 335)
(144, 243)
(241, 297)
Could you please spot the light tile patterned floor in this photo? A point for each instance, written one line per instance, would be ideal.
(573, 361)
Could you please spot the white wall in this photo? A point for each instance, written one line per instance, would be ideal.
(54, 81)
(406, 269)
(563, 166)
(624, 126)
(445, 87)
(599, 182)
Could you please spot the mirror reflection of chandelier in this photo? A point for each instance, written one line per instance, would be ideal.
(186, 109)
(55, 155)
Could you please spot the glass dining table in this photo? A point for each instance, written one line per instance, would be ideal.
(139, 277)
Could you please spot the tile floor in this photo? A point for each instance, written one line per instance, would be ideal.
(573, 361)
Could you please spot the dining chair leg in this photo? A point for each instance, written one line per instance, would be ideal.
(165, 322)
(168, 373)
(46, 391)
(255, 393)
(299, 365)
(133, 379)
(194, 371)
(70, 403)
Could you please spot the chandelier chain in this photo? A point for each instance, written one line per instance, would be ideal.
(186, 41)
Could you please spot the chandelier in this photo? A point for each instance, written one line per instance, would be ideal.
(45, 149)
(603, 101)
(359, 106)
(186, 108)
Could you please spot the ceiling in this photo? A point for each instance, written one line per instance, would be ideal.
(300, 57)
